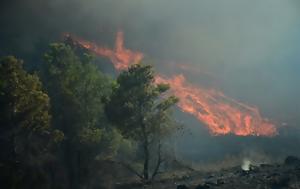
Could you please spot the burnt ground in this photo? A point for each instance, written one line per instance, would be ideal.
(264, 176)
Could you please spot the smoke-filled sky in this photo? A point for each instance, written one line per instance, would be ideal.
(248, 49)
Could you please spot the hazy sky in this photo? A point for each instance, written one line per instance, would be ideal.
(250, 49)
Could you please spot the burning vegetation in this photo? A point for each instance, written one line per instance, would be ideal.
(221, 114)
(120, 57)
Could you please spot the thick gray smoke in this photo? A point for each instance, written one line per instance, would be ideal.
(248, 49)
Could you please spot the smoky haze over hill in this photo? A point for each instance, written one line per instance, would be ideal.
(248, 49)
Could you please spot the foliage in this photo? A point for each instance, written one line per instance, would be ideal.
(64, 132)
(136, 102)
(22, 97)
(77, 89)
(90, 135)
(24, 122)
(138, 110)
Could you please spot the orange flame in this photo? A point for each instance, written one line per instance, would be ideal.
(221, 114)
(121, 57)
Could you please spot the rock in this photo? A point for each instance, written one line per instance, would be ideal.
(244, 173)
(205, 186)
(220, 181)
(264, 165)
(211, 182)
(292, 160)
(182, 186)
(280, 182)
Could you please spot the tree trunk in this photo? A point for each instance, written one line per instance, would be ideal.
(79, 168)
(72, 163)
(146, 153)
(146, 161)
(159, 161)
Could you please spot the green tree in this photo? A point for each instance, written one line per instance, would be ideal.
(77, 88)
(25, 132)
(139, 111)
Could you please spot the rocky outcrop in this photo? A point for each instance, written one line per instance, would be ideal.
(264, 176)
(292, 160)
(182, 186)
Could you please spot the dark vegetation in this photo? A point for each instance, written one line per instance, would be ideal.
(68, 125)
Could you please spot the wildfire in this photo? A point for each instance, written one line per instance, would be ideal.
(221, 114)
(121, 57)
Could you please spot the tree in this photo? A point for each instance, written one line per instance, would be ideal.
(77, 88)
(139, 111)
(25, 132)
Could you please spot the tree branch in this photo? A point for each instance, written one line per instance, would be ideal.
(130, 169)
(159, 161)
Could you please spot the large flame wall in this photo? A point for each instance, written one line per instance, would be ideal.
(221, 114)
